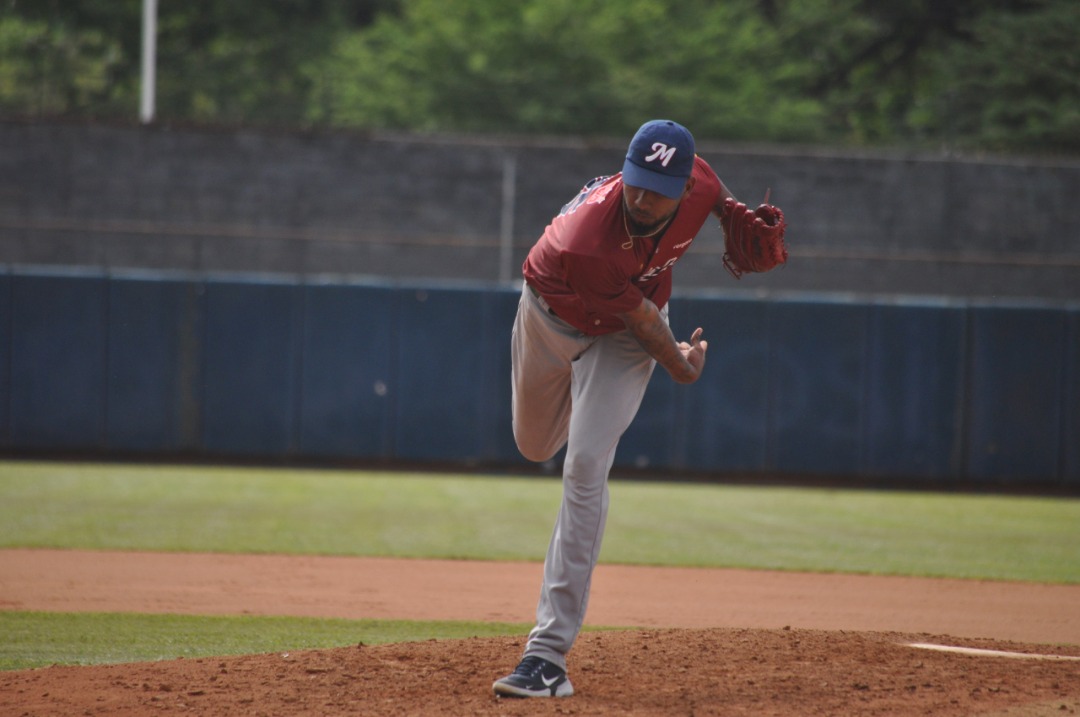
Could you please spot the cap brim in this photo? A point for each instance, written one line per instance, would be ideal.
(635, 176)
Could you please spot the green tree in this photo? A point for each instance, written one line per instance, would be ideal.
(970, 74)
(239, 61)
(45, 72)
(568, 66)
(1014, 86)
(234, 61)
(866, 59)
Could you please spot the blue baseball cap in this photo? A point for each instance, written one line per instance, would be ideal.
(660, 158)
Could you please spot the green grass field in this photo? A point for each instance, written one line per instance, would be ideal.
(329, 512)
(37, 639)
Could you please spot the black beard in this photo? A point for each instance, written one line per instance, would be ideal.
(641, 230)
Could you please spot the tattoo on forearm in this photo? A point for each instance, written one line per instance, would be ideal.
(656, 338)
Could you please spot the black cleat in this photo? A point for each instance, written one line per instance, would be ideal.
(534, 677)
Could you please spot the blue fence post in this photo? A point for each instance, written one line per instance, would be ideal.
(1015, 404)
(817, 374)
(154, 364)
(1070, 396)
(6, 340)
(724, 416)
(350, 380)
(915, 392)
(251, 370)
(496, 429)
(441, 366)
(58, 364)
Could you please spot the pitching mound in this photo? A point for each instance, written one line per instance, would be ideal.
(663, 672)
(851, 653)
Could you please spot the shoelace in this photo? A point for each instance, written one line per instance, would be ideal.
(529, 666)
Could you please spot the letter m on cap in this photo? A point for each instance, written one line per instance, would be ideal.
(662, 152)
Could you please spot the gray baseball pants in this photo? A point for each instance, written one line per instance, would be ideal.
(582, 392)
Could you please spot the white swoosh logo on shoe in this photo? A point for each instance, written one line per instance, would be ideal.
(547, 682)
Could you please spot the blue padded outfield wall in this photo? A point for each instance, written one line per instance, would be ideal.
(886, 392)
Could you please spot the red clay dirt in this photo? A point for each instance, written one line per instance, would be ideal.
(714, 642)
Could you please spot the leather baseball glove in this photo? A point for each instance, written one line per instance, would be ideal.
(753, 240)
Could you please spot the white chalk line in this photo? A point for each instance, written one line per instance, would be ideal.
(990, 653)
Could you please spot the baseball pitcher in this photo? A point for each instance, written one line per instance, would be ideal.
(592, 323)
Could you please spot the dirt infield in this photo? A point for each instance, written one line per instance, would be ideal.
(715, 642)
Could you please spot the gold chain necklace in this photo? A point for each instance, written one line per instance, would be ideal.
(629, 243)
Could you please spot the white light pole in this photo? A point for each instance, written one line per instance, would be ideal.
(149, 53)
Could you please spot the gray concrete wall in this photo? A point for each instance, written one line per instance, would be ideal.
(119, 198)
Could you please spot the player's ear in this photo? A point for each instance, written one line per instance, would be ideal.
(689, 185)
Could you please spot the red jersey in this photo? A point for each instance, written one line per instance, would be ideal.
(587, 267)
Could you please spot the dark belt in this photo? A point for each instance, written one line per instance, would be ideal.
(542, 300)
